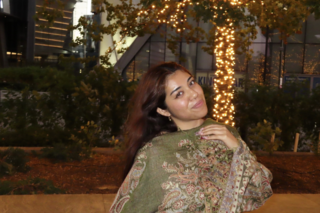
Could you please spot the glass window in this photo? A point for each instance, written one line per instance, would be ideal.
(160, 34)
(191, 21)
(240, 63)
(169, 56)
(188, 54)
(298, 37)
(156, 52)
(129, 72)
(312, 59)
(313, 30)
(206, 27)
(204, 60)
(293, 58)
(273, 63)
(142, 61)
(256, 64)
(171, 31)
(274, 35)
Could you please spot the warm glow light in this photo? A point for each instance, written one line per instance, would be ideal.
(49, 39)
(59, 22)
(47, 45)
(55, 28)
(66, 11)
(65, 17)
(50, 33)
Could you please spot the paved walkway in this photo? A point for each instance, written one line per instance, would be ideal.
(100, 203)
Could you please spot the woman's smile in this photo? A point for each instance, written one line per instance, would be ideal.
(198, 104)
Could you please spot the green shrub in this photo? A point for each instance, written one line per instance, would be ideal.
(61, 152)
(262, 134)
(116, 143)
(13, 160)
(290, 108)
(29, 186)
(31, 118)
(17, 78)
(89, 135)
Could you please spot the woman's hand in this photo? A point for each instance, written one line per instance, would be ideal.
(218, 132)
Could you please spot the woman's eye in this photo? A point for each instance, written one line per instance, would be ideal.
(192, 82)
(179, 94)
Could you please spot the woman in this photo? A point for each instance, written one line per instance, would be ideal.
(177, 161)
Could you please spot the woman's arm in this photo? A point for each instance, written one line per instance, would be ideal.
(248, 184)
(135, 193)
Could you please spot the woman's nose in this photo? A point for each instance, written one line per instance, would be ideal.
(194, 94)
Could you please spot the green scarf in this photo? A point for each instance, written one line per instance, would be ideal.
(180, 172)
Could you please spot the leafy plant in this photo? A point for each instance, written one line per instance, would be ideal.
(105, 96)
(262, 134)
(29, 186)
(13, 160)
(313, 138)
(115, 142)
(90, 134)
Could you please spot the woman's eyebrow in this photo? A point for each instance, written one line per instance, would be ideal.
(180, 86)
(175, 90)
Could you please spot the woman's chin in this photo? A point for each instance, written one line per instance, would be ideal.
(203, 112)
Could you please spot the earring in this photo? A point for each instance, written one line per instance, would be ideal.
(169, 118)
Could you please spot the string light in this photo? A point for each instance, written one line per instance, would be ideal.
(177, 17)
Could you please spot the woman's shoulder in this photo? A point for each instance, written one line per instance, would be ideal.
(151, 143)
(163, 140)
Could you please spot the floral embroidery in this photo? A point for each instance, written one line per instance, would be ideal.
(178, 204)
(198, 179)
(245, 189)
(184, 142)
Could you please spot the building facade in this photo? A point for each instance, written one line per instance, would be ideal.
(24, 41)
(272, 60)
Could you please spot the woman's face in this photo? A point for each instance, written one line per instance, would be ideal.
(184, 98)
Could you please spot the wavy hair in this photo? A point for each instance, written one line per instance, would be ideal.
(144, 123)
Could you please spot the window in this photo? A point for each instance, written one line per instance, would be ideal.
(312, 59)
(313, 30)
(204, 59)
(293, 58)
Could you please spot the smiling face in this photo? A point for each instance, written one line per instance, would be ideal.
(185, 100)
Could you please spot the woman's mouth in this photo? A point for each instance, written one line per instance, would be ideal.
(198, 104)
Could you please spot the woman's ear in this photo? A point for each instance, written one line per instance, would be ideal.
(163, 112)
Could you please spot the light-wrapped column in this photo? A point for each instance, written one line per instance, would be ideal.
(223, 110)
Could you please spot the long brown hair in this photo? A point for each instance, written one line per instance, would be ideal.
(144, 123)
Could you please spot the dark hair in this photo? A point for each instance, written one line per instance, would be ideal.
(144, 123)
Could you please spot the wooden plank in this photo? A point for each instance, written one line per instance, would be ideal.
(319, 144)
(273, 137)
(296, 142)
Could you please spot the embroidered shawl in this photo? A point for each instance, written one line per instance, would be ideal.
(180, 172)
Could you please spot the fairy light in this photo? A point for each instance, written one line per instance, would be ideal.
(177, 17)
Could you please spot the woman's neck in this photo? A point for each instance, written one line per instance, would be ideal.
(185, 125)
